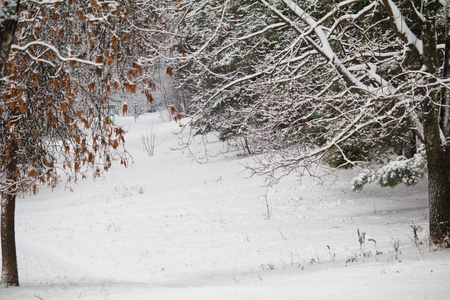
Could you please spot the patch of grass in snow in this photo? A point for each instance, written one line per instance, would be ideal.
(129, 191)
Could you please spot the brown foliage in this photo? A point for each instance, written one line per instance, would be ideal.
(50, 104)
(169, 71)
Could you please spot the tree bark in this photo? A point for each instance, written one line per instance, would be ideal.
(445, 97)
(439, 197)
(10, 275)
(438, 160)
(438, 153)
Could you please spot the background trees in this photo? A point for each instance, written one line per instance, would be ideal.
(340, 82)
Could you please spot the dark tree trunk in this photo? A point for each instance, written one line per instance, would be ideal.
(409, 145)
(445, 99)
(438, 159)
(439, 165)
(439, 197)
(438, 154)
(10, 275)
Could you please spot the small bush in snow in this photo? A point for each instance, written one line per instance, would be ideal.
(402, 170)
(148, 139)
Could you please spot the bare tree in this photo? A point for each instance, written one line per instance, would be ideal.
(312, 81)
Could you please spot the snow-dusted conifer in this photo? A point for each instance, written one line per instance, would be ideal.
(403, 170)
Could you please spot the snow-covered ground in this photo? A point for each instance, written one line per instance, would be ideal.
(168, 227)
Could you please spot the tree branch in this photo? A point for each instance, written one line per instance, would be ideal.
(51, 47)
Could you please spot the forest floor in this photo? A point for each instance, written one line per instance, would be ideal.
(168, 227)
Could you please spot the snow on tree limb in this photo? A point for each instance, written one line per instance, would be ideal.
(259, 32)
(324, 48)
(43, 2)
(56, 51)
(344, 82)
(353, 17)
(282, 16)
(401, 27)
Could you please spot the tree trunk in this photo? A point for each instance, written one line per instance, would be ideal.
(438, 160)
(409, 145)
(10, 275)
(439, 199)
(438, 154)
(445, 97)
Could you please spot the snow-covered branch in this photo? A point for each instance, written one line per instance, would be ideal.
(44, 2)
(306, 81)
(353, 17)
(324, 48)
(56, 51)
(259, 32)
(401, 27)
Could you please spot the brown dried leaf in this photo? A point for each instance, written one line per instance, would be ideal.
(169, 71)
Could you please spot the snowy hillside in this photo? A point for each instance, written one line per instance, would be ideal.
(170, 228)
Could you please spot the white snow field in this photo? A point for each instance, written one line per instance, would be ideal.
(168, 227)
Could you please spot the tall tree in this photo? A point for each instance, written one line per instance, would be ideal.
(54, 114)
(8, 23)
(340, 81)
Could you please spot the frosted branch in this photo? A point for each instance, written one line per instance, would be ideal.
(401, 27)
(43, 2)
(53, 48)
(325, 48)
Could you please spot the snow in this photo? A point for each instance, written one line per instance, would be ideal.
(170, 228)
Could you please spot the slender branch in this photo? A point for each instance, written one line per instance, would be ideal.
(401, 28)
(53, 48)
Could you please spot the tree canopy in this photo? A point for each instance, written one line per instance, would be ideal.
(338, 82)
